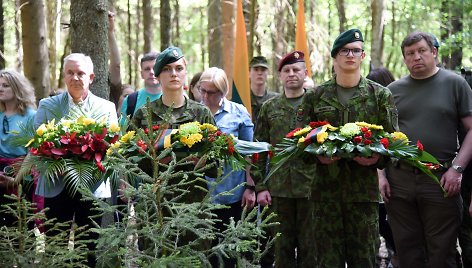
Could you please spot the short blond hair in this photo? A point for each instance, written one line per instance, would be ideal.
(218, 77)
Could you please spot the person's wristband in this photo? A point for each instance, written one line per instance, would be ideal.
(250, 187)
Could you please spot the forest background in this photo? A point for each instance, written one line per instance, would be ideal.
(36, 34)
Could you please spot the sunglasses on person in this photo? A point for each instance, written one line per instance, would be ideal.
(6, 126)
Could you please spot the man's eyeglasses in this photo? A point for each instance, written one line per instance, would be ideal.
(356, 52)
(6, 126)
(208, 92)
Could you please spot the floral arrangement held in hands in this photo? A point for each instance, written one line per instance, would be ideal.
(83, 138)
(72, 149)
(191, 138)
(351, 140)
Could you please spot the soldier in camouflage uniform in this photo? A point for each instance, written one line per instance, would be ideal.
(171, 70)
(258, 71)
(346, 203)
(288, 191)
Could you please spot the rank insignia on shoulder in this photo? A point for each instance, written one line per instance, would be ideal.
(324, 109)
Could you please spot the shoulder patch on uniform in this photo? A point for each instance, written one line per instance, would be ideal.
(324, 109)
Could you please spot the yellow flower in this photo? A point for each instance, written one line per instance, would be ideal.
(321, 136)
(41, 130)
(29, 142)
(85, 120)
(330, 127)
(369, 126)
(66, 123)
(50, 125)
(127, 137)
(302, 131)
(399, 136)
(210, 127)
(191, 139)
(301, 140)
(114, 127)
(115, 146)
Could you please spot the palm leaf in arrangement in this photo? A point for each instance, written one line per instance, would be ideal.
(80, 174)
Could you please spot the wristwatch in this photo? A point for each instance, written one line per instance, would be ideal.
(458, 169)
(250, 187)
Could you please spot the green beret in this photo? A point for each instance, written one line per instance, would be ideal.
(346, 37)
(169, 55)
(290, 58)
(259, 61)
(435, 41)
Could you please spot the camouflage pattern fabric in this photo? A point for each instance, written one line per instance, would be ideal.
(256, 103)
(346, 203)
(370, 103)
(296, 219)
(191, 111)
(275, 120)
(345, 232)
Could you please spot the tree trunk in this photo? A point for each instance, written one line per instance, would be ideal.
(2, 37)
(252, 29)
(89, 35)
(130, 45)
(147, 26)
(451, 28)
(166, 25)
(228, 29)
(342, 15)
(19, 58)
(53, 23)
(35, 51)
(377, 7)
(176, 35)
(214, 33)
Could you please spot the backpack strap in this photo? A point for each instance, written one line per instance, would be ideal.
(132, 99)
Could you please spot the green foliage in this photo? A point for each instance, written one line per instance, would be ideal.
(24, 246)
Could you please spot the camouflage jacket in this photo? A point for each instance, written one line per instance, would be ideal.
(192, 111)
(371, 103)
(256, 103)
(276, 118)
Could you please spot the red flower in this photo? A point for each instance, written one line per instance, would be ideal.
(367, 134)
(384, 142)
(218, 133)
(419, 145)
(230, 149)
(142, 146)
(156, 127)
(364, 129)
(318, 124)
(357, 139)
(255, 157)
(290, 134)
(146, 131)
(367, 142)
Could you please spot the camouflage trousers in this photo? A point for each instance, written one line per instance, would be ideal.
(346, 233)
(294, 246)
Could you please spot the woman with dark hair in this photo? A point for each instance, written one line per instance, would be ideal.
(193, 92)
(17, 107)
(381, 75)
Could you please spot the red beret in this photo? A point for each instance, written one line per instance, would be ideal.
(290, 58)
